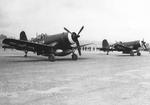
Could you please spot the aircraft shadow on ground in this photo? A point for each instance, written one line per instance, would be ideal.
(119, 55)
(69, 59)
(125, 55)
(38, 59)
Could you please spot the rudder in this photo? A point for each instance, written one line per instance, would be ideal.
(105, 44)
(23, 36)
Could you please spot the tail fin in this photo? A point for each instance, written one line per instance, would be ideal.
(105, 44)
(23, 36)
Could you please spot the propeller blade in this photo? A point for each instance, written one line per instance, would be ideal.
(79, 51)
(75, 38)
(78, 46)
(80, 30)
(67, 30)
(144, 44)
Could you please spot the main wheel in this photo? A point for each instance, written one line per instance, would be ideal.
(25, 53)
(51, 57)
(74, 57)
(138, 54)
(131, 53)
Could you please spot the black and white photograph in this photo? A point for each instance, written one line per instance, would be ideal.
(74, 52)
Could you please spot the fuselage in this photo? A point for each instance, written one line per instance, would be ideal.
(62, 43)
(62, 40)
(133, 44)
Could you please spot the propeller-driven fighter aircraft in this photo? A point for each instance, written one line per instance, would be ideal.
(131, 47)
(51, 46)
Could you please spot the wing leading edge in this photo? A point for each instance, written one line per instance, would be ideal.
(26, 45)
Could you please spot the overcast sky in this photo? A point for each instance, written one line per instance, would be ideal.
(112, 19)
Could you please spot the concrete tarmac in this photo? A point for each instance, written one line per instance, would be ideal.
(94, 79)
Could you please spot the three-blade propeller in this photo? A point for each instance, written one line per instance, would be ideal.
(75, 37)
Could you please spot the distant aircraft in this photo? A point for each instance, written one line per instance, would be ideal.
(131, 47)
(51, 46)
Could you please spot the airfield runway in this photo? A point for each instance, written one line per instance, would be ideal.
(94, 79)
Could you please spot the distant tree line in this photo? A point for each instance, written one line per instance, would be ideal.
(2, 36)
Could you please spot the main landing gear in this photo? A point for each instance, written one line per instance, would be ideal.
(132, 53)
(25, 53)
(51, 57)
(74, 56)
(107, 52)
(138, 53)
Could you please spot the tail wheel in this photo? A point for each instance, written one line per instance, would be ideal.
(131, 53)
(74, 57)
(107, 52)
(51, 57)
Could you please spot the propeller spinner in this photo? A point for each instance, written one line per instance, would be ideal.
(75, 37)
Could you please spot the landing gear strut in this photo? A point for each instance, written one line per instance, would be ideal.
(74, 56)
(107, 52)
(51, 57)
(131, 53)
(25, 53)
(138, 53)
